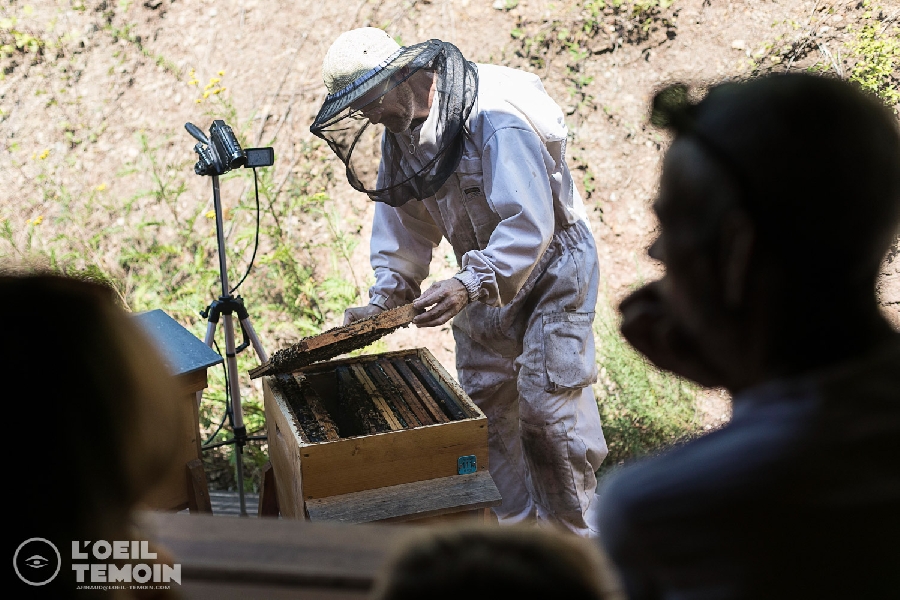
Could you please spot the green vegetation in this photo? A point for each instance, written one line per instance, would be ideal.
(590, 27)
(157, 248)
(642, 408)
(875, 46)
(866, 52)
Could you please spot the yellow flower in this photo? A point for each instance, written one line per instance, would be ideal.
(210, 214)
(37, 220)
(44, 154)
(221, 73)
(101, 187)
(206, 94)
(218, 91)
(198, 100)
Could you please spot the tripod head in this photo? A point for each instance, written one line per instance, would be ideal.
(221, 152)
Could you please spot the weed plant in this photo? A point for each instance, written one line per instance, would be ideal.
(587, 28)
(643, 409)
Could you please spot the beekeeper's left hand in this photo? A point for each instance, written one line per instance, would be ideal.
(446, 298)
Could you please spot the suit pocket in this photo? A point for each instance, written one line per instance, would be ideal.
(569, 353)
(477, 205)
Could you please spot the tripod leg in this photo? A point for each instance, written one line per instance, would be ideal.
(240, 432)
(208, 340)
(257, 345)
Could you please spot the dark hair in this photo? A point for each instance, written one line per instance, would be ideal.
(491, 563)
(816, 162)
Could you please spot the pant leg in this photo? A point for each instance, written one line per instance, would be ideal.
(562, 438)
(490, 381)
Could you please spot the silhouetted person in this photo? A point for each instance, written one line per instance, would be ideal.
(779, 199)
(481, 563)
(82, 382)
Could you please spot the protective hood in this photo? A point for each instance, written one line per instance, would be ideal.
(360, 144)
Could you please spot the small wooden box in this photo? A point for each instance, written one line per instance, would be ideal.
(313, 474)
(188, 359)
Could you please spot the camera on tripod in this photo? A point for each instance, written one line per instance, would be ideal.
(221, 152)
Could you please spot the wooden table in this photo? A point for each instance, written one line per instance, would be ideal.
(232, 557)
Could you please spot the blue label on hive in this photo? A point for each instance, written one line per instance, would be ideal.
(466, 464)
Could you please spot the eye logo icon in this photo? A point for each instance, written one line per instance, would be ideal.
(37, 561)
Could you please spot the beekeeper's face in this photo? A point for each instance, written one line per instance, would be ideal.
(393, 109)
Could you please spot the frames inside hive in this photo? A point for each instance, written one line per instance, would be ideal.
(369, 395)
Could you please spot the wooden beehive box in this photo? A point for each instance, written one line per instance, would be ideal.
(376, 437)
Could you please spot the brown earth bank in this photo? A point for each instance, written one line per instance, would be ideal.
(95, 94)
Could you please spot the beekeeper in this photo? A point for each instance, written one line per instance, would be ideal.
(476, 154)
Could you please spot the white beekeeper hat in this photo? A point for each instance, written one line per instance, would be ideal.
(354, 54)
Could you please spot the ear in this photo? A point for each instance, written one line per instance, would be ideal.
(738, 245)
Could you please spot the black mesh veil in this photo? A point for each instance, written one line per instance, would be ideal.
(357, 142)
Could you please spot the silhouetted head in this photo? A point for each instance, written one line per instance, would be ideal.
(89, 410)
(489, 563)
(814, 162)
(779, 198)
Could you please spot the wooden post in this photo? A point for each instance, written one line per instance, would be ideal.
(268, 493)
(198, 491)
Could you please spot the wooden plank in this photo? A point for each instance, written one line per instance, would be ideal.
(456, 518)
(396, 381)
(284, 452)
(327, 366)
(275, 552)
(391, 394)
(354, 400)
(336, 341)
(416, 386)
(231, 590)
(317, 408)
(389, 319)
(450, 384)
(268, 494)
(198, 490)
(434, 388)
(368, 462)
(360, 374)
(191, 383)
(409, 501)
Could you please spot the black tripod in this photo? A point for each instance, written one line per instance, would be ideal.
(218, 154)
(226, 306)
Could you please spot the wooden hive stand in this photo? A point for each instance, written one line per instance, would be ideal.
(188, 358)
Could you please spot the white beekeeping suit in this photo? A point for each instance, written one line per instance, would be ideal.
(525, 345)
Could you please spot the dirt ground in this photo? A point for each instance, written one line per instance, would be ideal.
(129, 68)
